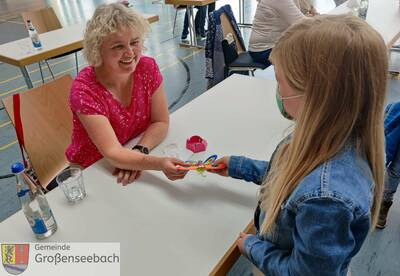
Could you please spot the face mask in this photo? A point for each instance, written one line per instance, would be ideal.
(279, 102)
(281, 107)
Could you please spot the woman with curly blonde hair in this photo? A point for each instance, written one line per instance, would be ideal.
(119, 96)
(321, 191)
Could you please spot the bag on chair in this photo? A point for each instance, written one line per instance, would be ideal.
(229, 49)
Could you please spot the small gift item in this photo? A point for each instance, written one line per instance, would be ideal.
(196, 144)
(201, 167)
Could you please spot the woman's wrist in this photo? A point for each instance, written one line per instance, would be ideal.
(154, 162)
(141, 148)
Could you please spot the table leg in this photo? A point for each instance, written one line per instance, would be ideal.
(25, 73)
(240, 12)
(192, 29)
(76, 63)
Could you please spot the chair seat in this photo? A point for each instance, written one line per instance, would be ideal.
(245, 60)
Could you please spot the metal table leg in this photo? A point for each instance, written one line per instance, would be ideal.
(241, 16)
(192, 27)
(25, 73)
(240, 12)
(192, 30)
(76, 62)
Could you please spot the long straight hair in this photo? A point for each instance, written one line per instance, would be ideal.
(339, 63)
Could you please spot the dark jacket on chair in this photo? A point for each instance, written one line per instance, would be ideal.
(215, 64)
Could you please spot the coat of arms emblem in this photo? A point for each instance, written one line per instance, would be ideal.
(15, 257)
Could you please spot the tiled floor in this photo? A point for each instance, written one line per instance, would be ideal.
(183, 71)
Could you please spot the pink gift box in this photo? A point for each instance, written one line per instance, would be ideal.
(196, 144)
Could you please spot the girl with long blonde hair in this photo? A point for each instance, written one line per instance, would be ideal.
(321, 191)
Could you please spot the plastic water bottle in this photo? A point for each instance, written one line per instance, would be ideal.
(34, 204)
(363, 9)
(34, 35)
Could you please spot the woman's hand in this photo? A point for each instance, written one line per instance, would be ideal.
(240, 242)
(169, 168)
(126, 177)
(224, 172)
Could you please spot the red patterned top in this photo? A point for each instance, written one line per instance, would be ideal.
(89, 97)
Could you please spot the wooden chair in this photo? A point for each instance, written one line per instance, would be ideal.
(231, 256)
(46, 20)
(47, 125)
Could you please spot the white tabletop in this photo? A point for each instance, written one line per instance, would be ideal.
(182, 227)
(382, 15)
(21, 52)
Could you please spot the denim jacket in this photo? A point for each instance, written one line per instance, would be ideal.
(392, 130)
(321, 225)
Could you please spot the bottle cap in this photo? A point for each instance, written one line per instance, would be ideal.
(17, 167)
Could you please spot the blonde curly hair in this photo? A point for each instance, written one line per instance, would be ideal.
(107, 19)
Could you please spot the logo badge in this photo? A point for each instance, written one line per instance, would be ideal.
(15, 257)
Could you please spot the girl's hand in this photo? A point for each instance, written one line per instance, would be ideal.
(224, 172)
(240, 242)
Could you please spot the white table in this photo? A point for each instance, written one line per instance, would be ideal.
(21, 52)
(182, 227)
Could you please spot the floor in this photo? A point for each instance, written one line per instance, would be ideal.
(183, 71)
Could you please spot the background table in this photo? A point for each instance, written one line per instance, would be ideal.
(190, 4)
(182, 227)
(21, 52)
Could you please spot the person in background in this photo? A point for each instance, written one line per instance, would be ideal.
(321, 191)
(210, 8)
(271, 19)
(392, 173)
(199, 22)
(118, 97)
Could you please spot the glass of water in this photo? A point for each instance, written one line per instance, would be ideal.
(71, 182)
(172, 150)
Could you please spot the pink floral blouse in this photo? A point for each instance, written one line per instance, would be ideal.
(89, 97)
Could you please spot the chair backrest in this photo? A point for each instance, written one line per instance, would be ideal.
(47, 125)
(44, 20)
(393, 40)
(227, 28)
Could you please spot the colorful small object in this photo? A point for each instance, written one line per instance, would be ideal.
(196, 144)
(202, 166)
